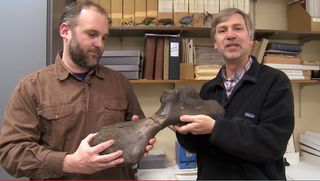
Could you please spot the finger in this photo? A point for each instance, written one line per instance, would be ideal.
(146, 153)
(111, 157)
(135, 117)
(149, 147)
(152, 141)
(184, 129)
(111, 164)
(186, 118)
(90, 137)
(102, 146)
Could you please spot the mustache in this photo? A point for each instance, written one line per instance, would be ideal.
(96, 50)
(228, 44)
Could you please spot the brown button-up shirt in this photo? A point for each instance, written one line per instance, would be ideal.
(51, 111)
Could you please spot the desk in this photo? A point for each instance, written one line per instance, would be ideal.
(304, 170)
(171, 172)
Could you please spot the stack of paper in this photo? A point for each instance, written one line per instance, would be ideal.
(310, 146)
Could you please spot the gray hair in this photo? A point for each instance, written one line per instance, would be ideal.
(225, 14)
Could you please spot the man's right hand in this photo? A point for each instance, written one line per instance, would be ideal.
(86, 159)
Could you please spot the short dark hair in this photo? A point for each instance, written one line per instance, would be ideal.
(72, 11)
(225, 14)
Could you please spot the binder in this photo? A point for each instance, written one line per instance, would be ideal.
(158, 68)
(174, 58)
(149, 51)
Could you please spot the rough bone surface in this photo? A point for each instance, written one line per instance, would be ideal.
(133, 136)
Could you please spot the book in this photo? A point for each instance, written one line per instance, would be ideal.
(281, 58)
(174, 58)
(158, 67)
(262, 49)
(259, 48)
(294, 66)
(166, 59)
(149, 57)
(283, 52)
(284, 47)
(207, 55)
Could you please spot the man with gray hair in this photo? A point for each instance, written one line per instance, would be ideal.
(250, 140)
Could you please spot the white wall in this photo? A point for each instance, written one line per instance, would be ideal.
(22, 45)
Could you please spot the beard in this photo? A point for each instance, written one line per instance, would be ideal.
(81, 57)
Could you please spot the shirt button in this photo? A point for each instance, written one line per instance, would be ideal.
(56, 116)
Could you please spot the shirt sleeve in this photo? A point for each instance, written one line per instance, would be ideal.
(21, 154)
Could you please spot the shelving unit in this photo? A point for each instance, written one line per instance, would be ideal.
(144, 81)
(204, 32)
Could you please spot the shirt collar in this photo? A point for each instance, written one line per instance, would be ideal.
(239, 74)
(62, 72)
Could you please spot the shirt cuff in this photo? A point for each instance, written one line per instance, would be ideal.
(54, 163)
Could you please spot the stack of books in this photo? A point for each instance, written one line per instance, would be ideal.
(125, 61)
(208, 62)
(286, 57)
(310, 146)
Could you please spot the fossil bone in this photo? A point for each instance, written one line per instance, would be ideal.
(133, 136)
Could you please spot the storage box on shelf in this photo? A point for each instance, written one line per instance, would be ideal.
(300, 20)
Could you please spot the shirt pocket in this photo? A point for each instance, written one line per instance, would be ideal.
(115, 110)
(57, 125)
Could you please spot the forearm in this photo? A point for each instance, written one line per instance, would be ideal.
(31, 160)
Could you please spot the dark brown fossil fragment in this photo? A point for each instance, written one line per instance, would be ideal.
(133, 136)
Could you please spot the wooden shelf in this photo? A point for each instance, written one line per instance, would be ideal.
(141, 30)
(143, 81)
(205, 32)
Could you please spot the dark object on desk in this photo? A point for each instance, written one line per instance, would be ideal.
(153, 161)
(133, 136)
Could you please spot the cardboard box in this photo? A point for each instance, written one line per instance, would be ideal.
(116, 12)
(152, 8)
(128, 9)
(186, 71)
(106, 4)
(165, 9)
(300, 20)
(140, 11)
